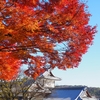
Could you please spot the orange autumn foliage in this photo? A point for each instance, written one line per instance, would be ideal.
(42, 34)
(9, 67)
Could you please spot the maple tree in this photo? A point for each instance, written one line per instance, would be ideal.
(42, 34)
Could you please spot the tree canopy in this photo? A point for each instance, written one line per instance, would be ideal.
(42, 34)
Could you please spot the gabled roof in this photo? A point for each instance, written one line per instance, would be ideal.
(49, 76)
(44, 82)
(66, 93)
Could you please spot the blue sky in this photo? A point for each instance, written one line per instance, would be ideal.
(88, 72)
